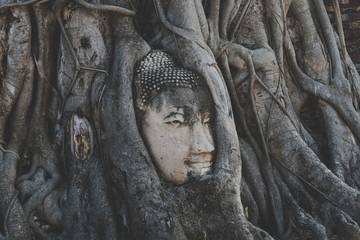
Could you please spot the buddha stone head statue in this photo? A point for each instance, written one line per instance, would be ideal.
(175, 112)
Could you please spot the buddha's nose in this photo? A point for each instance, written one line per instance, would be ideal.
(201, 139)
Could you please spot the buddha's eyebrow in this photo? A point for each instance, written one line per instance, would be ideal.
(173, 109)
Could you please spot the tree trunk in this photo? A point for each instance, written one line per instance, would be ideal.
(75, 162)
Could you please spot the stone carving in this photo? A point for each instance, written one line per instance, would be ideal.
(175, 116)
(102, 138)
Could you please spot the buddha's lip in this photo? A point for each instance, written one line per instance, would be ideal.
(200, 161)
(200, 158)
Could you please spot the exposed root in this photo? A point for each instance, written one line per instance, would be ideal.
(78, 67)
(103, 7)
(236, 32)
(179, 31)
(226, 9)
(337, 94)
(57, 8)
(252, 173)
(213, 23)
(18, 40)
(22, 3)
(274, 11)
(45, 156)
(340, 28)
(275, 198)
(321, 193)
(275, 99)
(266, 165)
(9, 151)
(249, 202)
(123, 142)
(26, 177)
(42, 74)
(328, 33)
(8, 210)
(300, 220)
(39, 196)
(202, 19)
(37, 230)
(345, 225)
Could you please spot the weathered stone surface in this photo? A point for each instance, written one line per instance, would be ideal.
(253, 134)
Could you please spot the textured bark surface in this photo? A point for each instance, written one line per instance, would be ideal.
(74, 165)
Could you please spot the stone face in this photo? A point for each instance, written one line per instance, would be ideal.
(176, 126)
(350, 14)
(176, 113)
(203, 141)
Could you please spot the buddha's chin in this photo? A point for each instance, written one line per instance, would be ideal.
(198, 170)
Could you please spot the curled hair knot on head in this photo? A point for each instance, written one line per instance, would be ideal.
(158, 71)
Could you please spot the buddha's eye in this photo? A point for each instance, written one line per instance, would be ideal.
(175, 119)
(175, 123)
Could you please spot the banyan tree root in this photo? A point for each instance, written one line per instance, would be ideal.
(276, 135)
(15, 102)
(15, 51)
(315, 64)
(44, 158)
(275, 144)
(84, 168)
(129, 164)
(281, 165)
(57, 9)
(195, 57)
(264, 85)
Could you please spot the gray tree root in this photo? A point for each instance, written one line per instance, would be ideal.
(73, 162)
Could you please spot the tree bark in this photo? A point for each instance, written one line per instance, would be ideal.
(73, 161)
